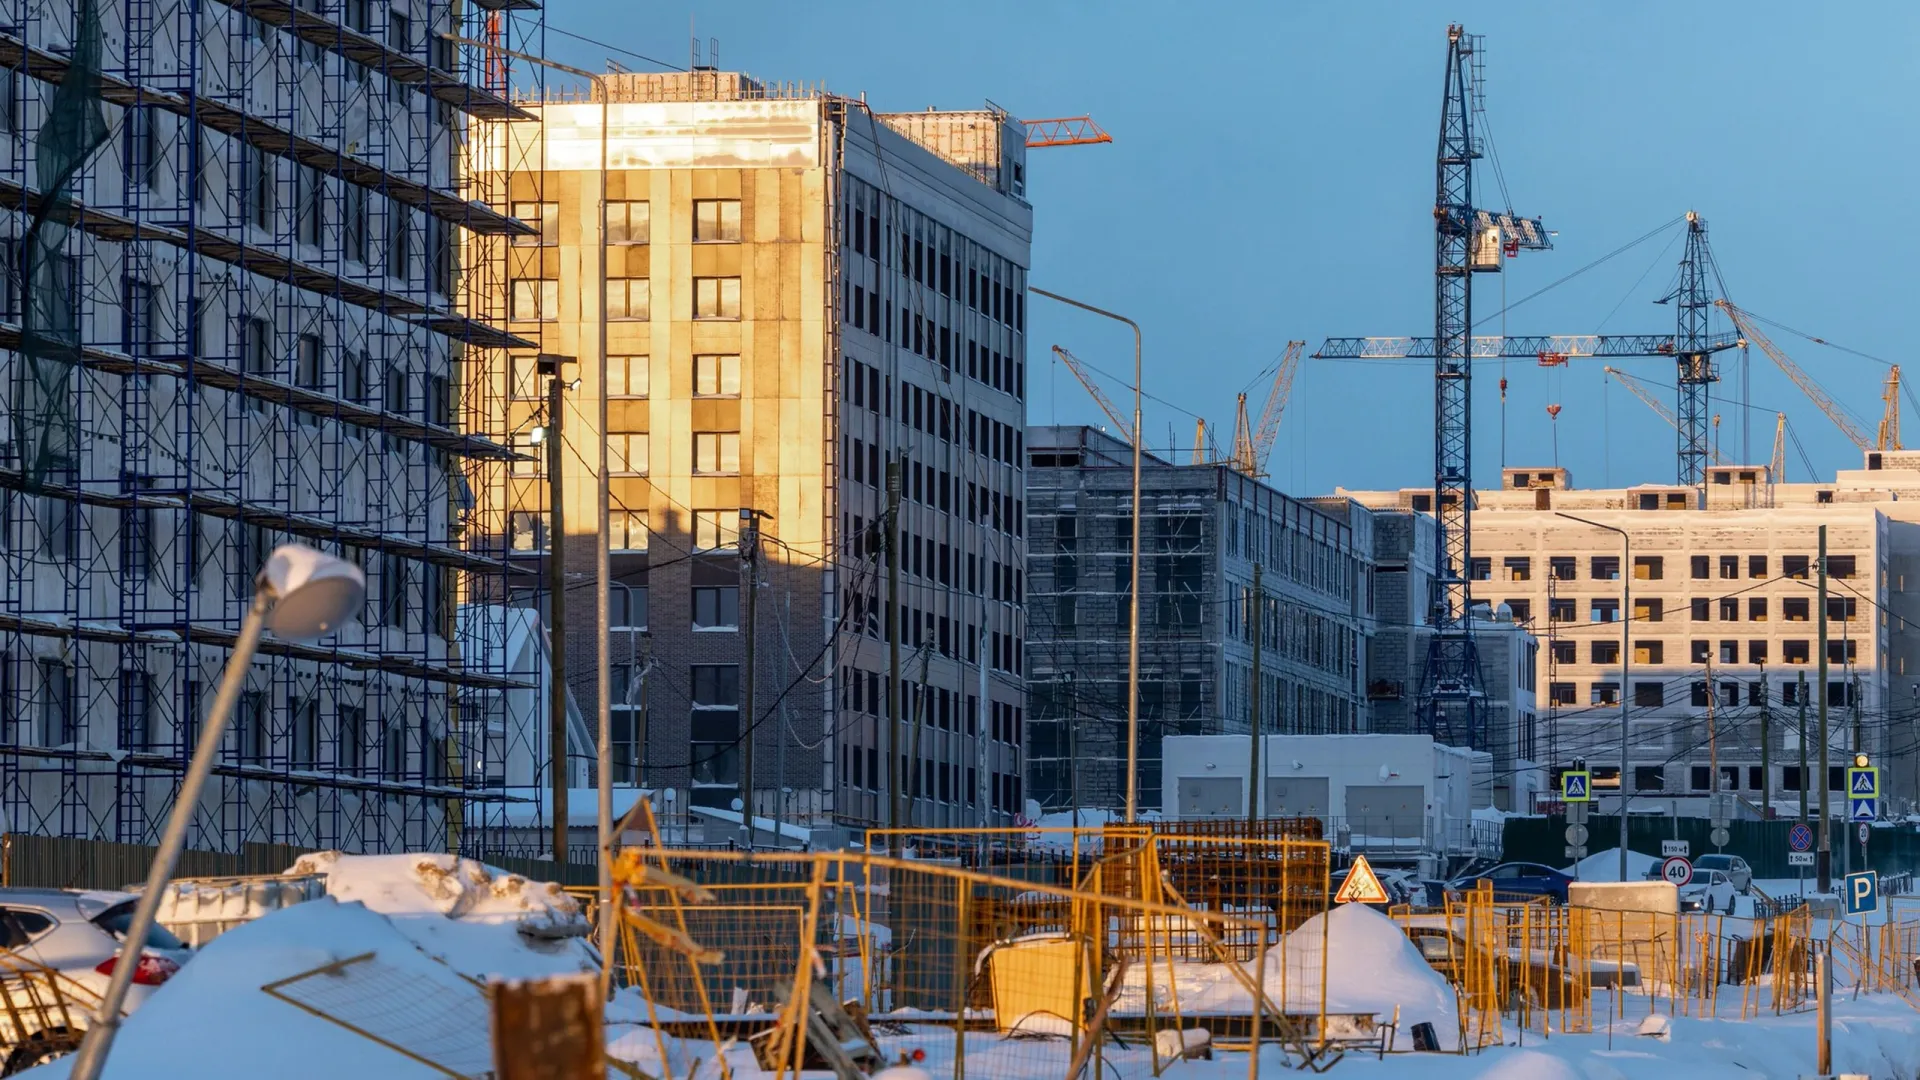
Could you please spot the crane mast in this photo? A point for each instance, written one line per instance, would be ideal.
(1694, 356)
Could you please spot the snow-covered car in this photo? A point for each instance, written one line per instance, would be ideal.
(1709, 891)
(61, 949)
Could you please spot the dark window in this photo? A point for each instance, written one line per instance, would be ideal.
(1757, 651)
(1756, 566)
(1646, 694)
(1796, 652)
(1701, 650)
(1841, 566)
(1700, 568)
(1606, 567)
(1604, 652)
(1701, 609)
(1729, 566)
(1796, 609)
(1795, 566)
(1560, 693)
(1648, 567)
(1565, 652)
(1649, 778)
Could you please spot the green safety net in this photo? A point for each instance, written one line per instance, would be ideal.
(50, 311)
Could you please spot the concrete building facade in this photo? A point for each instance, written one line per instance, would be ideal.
(804, 298)
(1715, 610)
(1203, 530)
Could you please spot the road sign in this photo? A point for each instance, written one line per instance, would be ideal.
(1800, 858)
(1362, 885)
(1676, 870)
(1674, 849)
(1577, 812)
(1865, 831)
(1862, 892)
(1861, 809)
(1576, 853)
(1719, 837)
(1800, 838)
(1576, 835)
(1576, 785)
(1863, 782)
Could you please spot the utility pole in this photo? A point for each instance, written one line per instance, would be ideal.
(1766, 755)
(749, 578)
(556, 610)
(893, 656)
(1857, 759)
(914, 794)
(1713, 746)
(1824, 874)
(1254, 777)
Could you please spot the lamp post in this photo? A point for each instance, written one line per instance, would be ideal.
(301, 595)
(552, 436)
(603, 674)
(1626, 659)
(1133, 587)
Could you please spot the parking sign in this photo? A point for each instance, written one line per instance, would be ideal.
(1862, 892)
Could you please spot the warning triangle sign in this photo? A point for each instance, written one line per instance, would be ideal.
(1362, 885)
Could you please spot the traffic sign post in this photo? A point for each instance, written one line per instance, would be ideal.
(1800, 838)
(1862, 892)
(1576, 786)
(1863, 782)
(1362, 885)
(1862, 808)
(1676, 871)
(1674, 849)
(1799, 858)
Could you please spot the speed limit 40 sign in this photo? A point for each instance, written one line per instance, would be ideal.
(1676, 871)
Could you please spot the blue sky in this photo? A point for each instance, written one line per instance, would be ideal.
(1272, 177)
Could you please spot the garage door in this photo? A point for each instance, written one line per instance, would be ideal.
(1296, 796)
(1211, 796)
(1384, 812)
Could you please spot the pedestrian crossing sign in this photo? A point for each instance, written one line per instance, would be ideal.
(1862, 809)
(1576, 785)
(1863, 783)
(1362, 885)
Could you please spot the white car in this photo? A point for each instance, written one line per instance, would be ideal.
(1736, 869)
(61, 948)
(1709, 891)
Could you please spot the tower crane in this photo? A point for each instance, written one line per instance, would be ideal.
(1694, 353)
(1815, 393)
(1252, 446)
(1777, 465)
(1890, 419)
(1099, 396)
(1639, 390)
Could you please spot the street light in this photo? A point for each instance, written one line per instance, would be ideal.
(1133, 588)
(301, 595)
(1626, 659)
(603, 570)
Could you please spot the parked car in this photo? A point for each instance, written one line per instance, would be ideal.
(1709, 891)
(61, 949)
(1516, 882)
(1735, 867)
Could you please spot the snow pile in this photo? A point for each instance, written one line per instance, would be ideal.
(481, 920)
(212, 1021)
(1371, 967)
(1605, 866)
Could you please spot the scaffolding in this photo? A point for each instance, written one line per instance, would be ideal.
(285, 301)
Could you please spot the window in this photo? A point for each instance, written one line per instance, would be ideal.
(353, 219)
(1702, 609)
(1651, 609)
(716, 452)
(350, 745)
(527, 530)
(627, 530)
(142, 145)
(1649, 652)
(1561, 610)
(259, 187)
(1480, 568)
(1648, 567)
(1842, 608)
(535, 300)
(136, 317)
(716, 376)
(1729, 609)
(1522, 610)
(1796, 652)
(306, 367)
(628, 222)
(716, 298)
(1649, 778)
(1756, 693)
(1699, 698)
(305, 714)
(399, 394)
(256, 343)
(1841, 566)
(1603, 693)
(545, 217)
(1519, 568)
(1729, 652)
(1700, 650)
(1756, 566)
(715, 724)
(55, 722)
(10, 101)
(715, 529)
(306, 208)
(1699, 567)
(1560, 693)
(1729, 566)
(1604, 611)
(716, 221)
(1604, 652)
(627, 376)
(1649, 694)
(1561, 567)
(136, 529)
(630, 298)
(399, 241)
(627, 452)
(1606, 567)
(1756, 609)
(1565, 652)
(716, 607)
(1796, 566)
(627, 607)
(1841, 652)
(136, 712)
(1796, 609)
(353, 375)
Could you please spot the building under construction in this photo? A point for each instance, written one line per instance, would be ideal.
(245, 306)
(1203, 529)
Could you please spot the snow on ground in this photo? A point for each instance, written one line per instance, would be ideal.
(1605, 866)
(483, 921)
(212, 1021)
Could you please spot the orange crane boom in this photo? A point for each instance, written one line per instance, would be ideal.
(1065, 131)
(1099, 397)
(1815, 393)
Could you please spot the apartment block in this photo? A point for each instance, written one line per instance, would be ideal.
(804, 297)
(1203, 530)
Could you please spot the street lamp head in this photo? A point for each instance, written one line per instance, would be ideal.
(538, 435)
(313, 592)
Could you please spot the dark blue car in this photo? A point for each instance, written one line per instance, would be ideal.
(1517, 881)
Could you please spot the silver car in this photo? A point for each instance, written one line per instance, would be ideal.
(60, 951)
(1735, 867)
